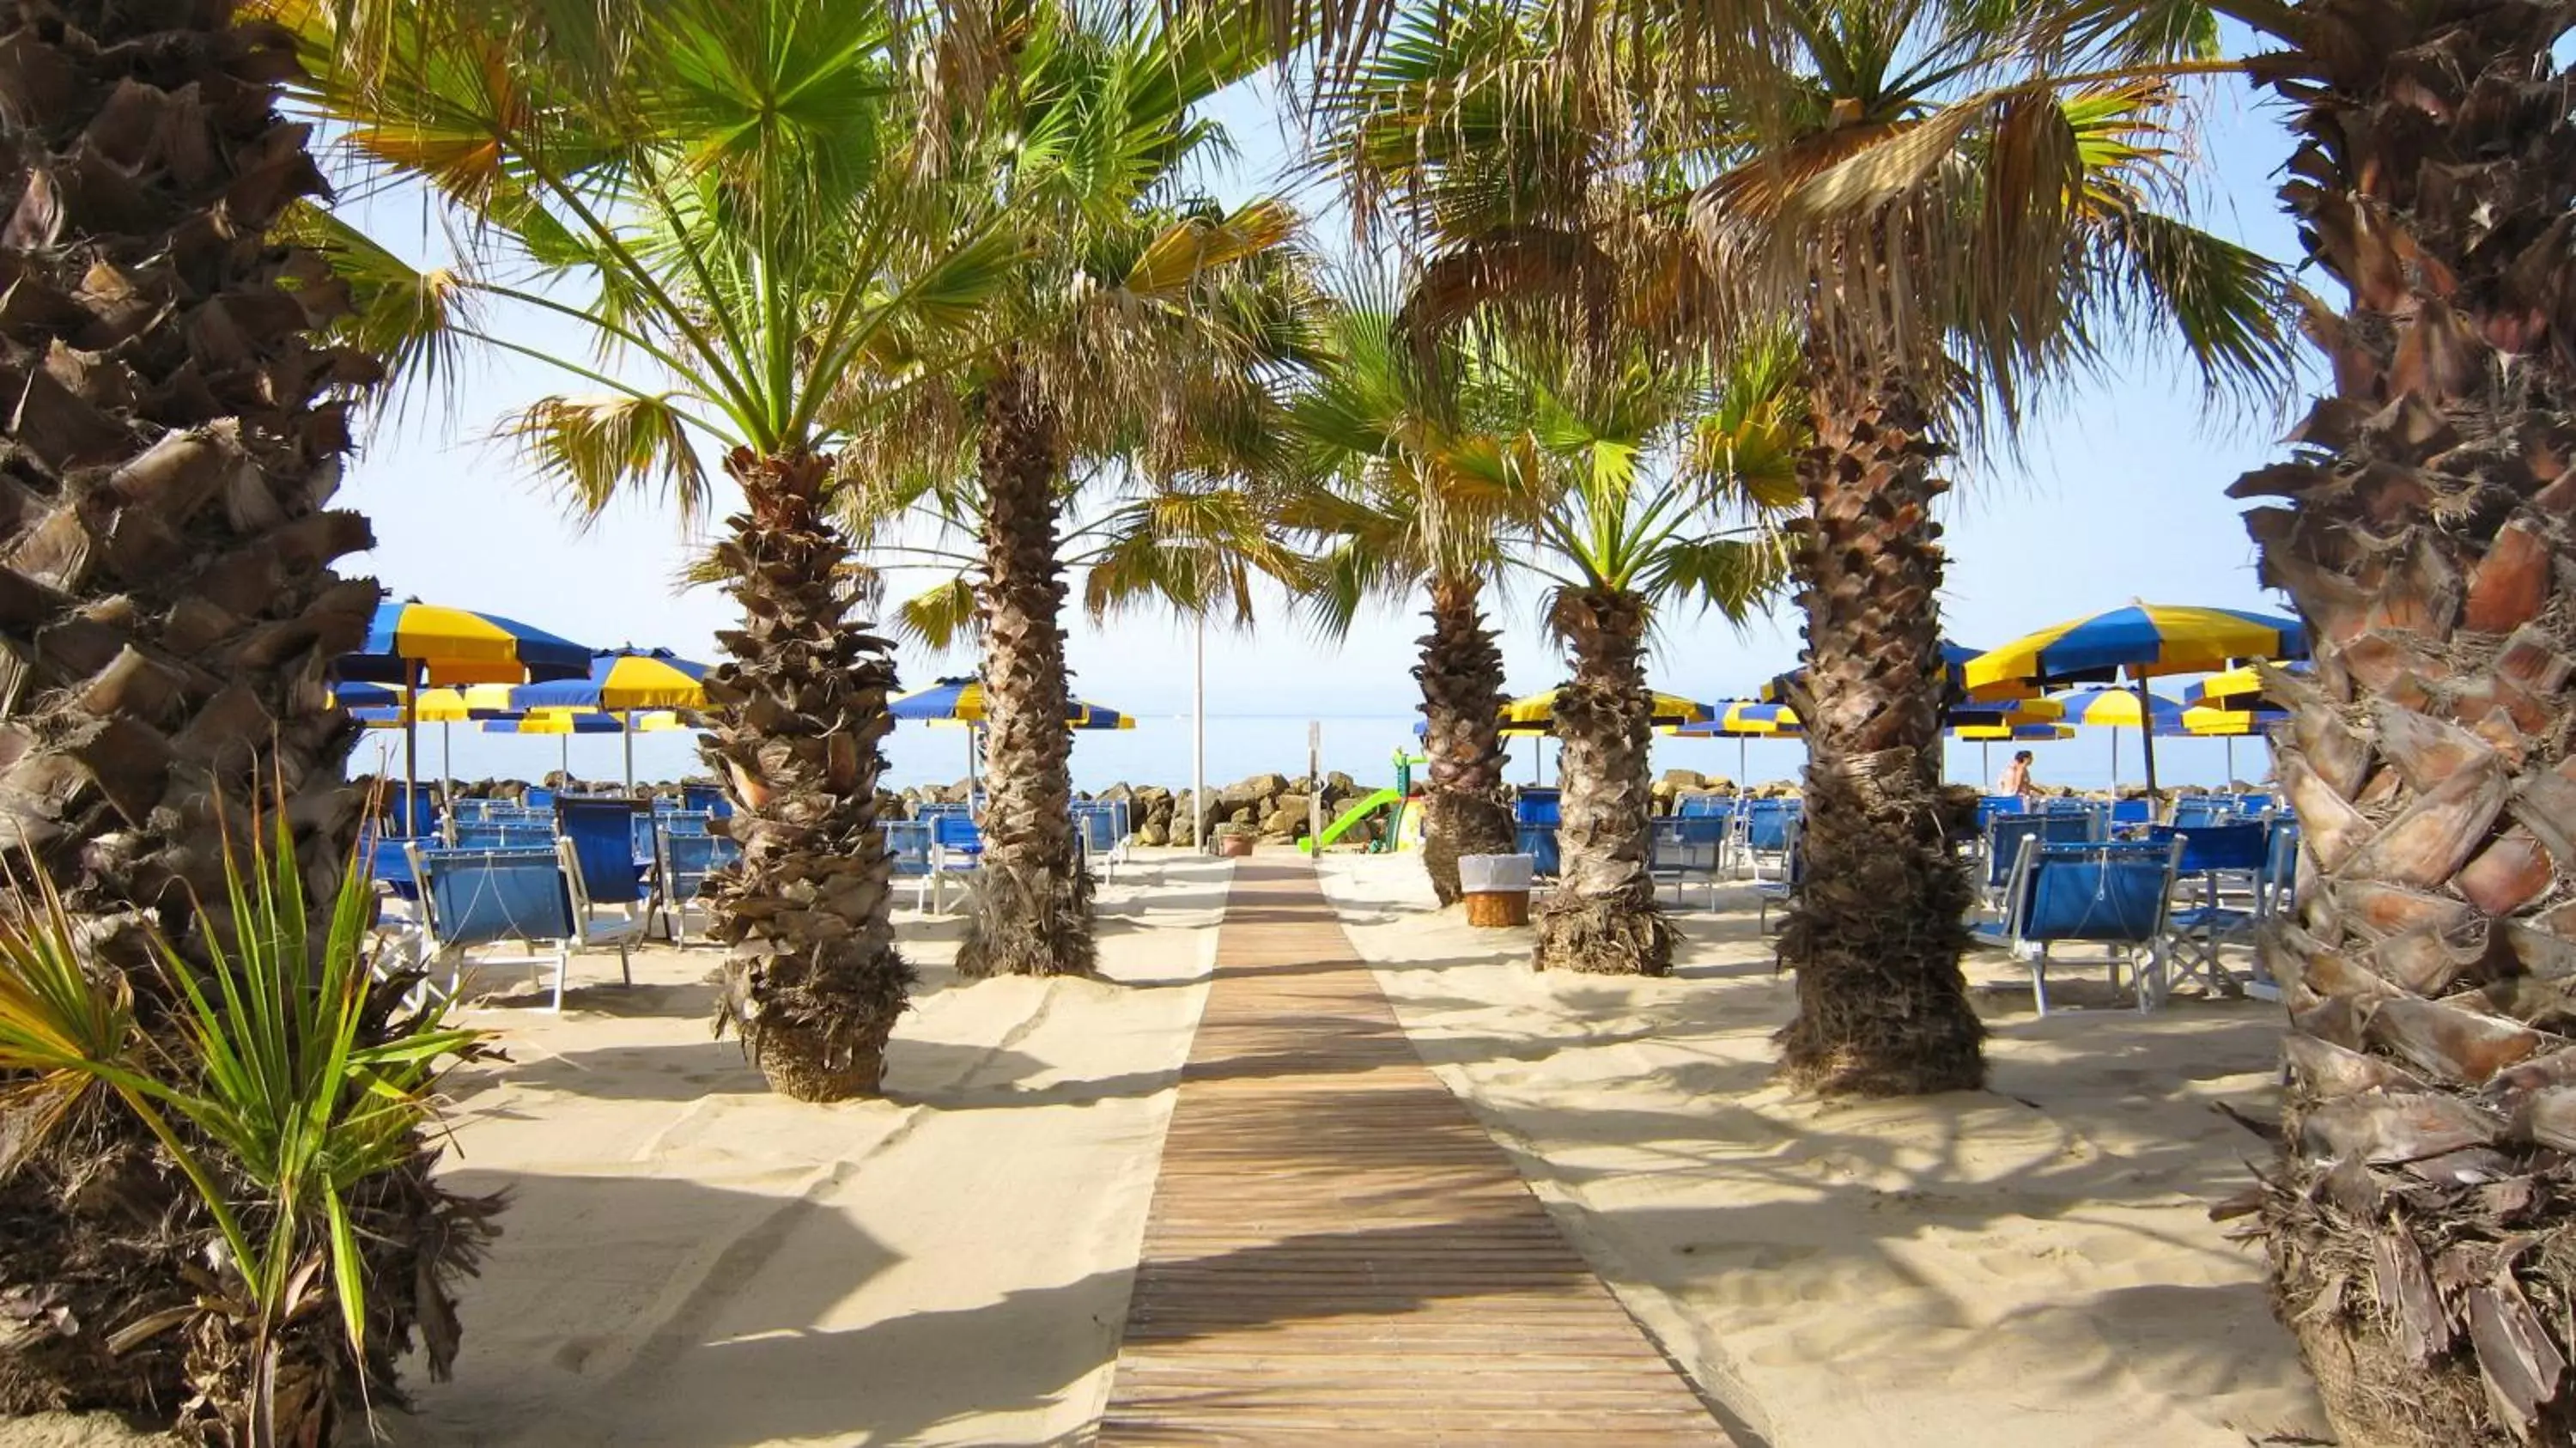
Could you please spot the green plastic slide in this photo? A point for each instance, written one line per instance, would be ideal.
(1352, 816)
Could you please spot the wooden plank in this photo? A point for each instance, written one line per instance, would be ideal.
(1338, 1252)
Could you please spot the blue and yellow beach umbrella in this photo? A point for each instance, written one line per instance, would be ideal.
(2118, 709)
(419, 645)
(2001, 714)
(2017, 733)
(963, 701)
(621, 680)
(2208, 721)
(569, 722)
(381, 705)
(2235, 690)
(1537, 713)
(584, 721)
(1743, 719)
(422, 643)
(2141, 641)
(390, 706)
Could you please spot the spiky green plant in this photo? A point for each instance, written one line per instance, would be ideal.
(283, 1091)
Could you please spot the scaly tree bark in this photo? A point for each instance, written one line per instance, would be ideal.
(813, 981)
(2418, 1218)
(1030, 910)
(168, 606)
(1464, 808)
(1602, 917)
(1875, 928)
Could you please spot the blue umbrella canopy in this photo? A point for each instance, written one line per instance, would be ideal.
(954, 701)
(1745, 719)
(963, 701)
(2144, 640)
(620, 680)
(421, 643)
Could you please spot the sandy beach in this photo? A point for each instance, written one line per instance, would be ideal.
(691, 1261)
(2030, 1265)
(688, 1260)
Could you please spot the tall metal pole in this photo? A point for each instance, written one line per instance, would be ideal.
(1198, 741)
(2147, 733)
(1315, 777)
(411, 748)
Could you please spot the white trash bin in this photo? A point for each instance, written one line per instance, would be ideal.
(1496, 888)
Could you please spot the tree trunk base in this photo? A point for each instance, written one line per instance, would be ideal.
(1455, 823)
(1875, 935)
(1028, 920)
(1593, 935)
(2332, 1236)
(799, 1066)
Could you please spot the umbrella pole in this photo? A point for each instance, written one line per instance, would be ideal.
(2115, 758)
(411, 749)
(2230, 741)
(629, 718)
(1743, 763)
(566, 770)
(2147, 735)
(1985, 766)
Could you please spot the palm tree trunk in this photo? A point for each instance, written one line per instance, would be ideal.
(1602, 916)
(168, 608)
(1876, 927)
(1030, 911)
(2416, 1218)
(1464, 811)
(813, 981)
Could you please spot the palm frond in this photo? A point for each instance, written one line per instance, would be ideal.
(599, 446)
(940, 616)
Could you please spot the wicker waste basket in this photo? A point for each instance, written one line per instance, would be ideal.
(1496, 888)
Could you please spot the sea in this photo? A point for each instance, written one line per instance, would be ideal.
(1364, 746)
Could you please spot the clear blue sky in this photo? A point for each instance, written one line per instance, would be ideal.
(2117, 493)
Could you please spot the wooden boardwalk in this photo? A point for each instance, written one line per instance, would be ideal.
(1338, 1252)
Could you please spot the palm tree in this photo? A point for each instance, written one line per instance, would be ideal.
(1596, 495)
(741, 193)
(181, 391)
(1132, 301)
(2431, 179)
(1430, 472)
(1872, 140)
(2420, 530)
(1627, 535)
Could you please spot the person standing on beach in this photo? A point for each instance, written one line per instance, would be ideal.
(2017, 780)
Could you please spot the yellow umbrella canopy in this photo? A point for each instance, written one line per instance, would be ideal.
(2139, 642)
(1537, 713)
(2214, 723)
(384, 703)
(587, 721)
(1999, 733)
